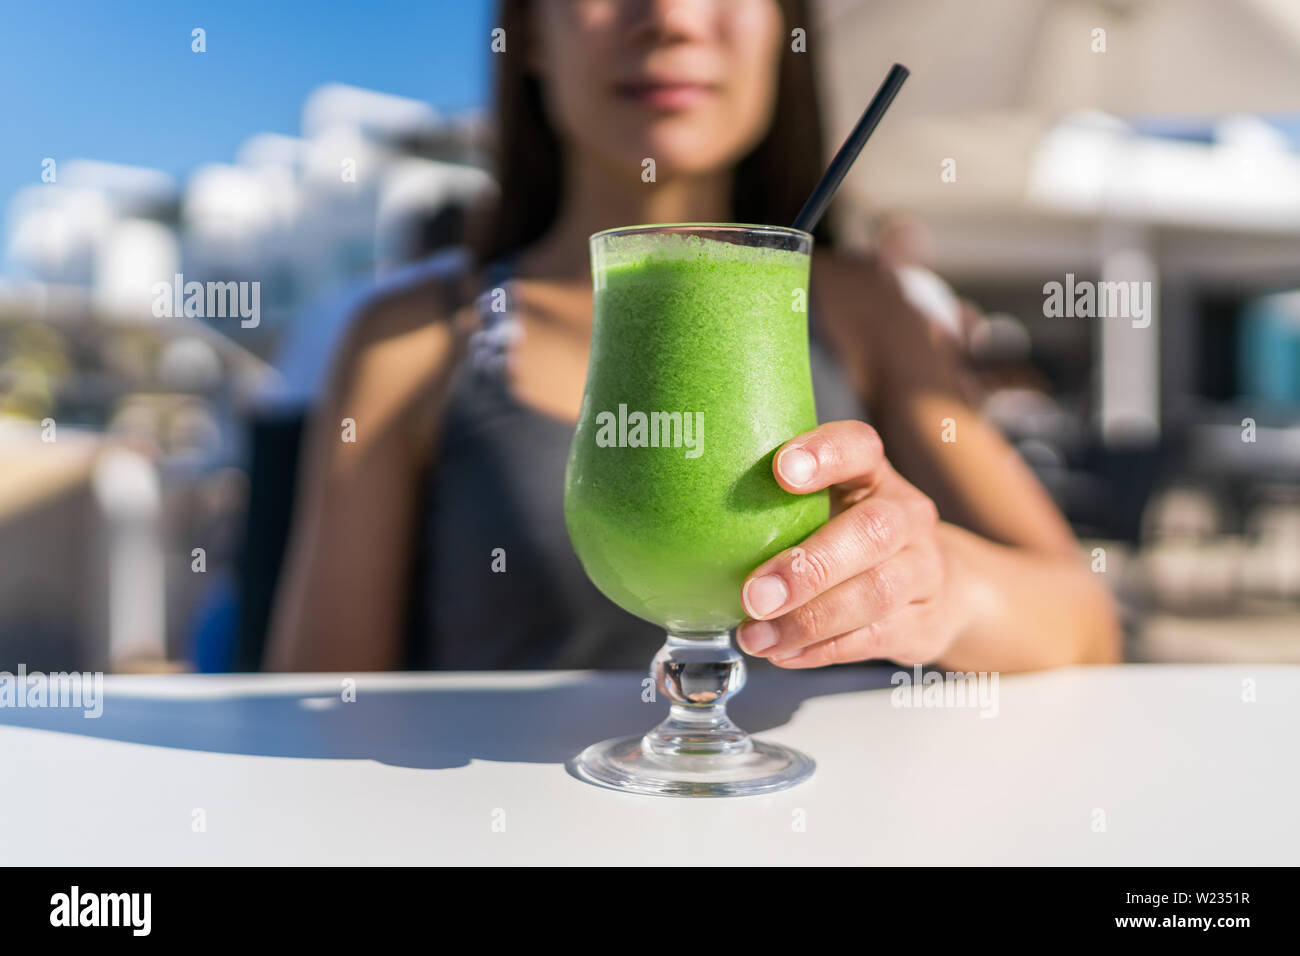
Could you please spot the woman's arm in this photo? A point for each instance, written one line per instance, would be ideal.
(1028, 610)
(885, 578)
(1036, 602)
(342, 597)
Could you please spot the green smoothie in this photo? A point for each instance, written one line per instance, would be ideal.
(698, 373)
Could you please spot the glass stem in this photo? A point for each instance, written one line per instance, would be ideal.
(698, 673)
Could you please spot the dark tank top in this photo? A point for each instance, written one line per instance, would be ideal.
(496, 583)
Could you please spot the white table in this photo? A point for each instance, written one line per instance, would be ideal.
(469, 768)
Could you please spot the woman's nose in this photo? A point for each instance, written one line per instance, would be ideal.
(671, 20)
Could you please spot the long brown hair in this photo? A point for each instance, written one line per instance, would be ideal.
(770, 185)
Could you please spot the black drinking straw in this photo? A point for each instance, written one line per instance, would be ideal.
(812, 210)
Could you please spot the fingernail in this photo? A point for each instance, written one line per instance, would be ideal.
(756, 637)
(796, 466)
(764, 595)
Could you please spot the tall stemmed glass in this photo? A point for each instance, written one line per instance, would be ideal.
(699, 371)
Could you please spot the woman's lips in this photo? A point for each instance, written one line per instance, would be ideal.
(666, 96)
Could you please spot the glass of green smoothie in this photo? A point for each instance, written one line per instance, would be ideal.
(699, 372)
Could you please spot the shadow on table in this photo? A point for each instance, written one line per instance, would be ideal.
(426, 729)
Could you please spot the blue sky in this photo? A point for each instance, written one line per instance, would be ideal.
(118, 81)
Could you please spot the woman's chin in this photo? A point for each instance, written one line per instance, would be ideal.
(674, 158)
(678, 146)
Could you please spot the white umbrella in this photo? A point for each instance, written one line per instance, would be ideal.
(1191, 57)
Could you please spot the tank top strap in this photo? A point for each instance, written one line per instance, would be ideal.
(498, 325)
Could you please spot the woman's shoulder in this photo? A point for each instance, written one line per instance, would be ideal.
(402, 340)
(861, 308)
(860, 279)
(427, 299)
(859, 296)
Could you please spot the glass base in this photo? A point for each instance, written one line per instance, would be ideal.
(629, 763)
(697, 751)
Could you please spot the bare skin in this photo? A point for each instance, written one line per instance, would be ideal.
(946, 552)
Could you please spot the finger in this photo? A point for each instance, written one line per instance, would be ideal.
(875, 594)
(848, 544)
(871, 641)
(901, 639)
(847, 453)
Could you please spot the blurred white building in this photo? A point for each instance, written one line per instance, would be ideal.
(67, 231)
(301, 216)
(373, 183)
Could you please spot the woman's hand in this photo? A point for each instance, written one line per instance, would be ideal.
(873, 582)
